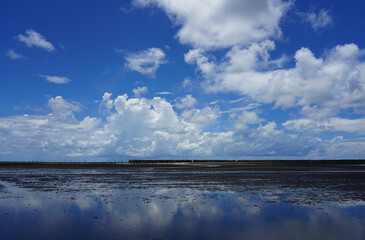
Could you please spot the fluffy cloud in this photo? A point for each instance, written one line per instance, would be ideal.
(107, 103)
(143, 128)
(218, 24)
(50, 137)
(320, 20)
(63, 108)
(56, 79)
(328, 84)
(319, 86)
(139, 91)
(203, 116)
(146, 62)
(35, 39)
(245, 118)
(186, 102)
(13, 55)
(316, 85)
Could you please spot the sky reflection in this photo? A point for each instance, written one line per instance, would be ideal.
(100, 211)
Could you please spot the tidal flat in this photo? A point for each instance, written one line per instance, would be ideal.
(208, 201)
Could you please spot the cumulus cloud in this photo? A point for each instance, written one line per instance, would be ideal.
(186, 102)
(50, 137)
(320, 20)
(106, 102)
(139, 91)
(213, 24)
(13, 55)
(142, 127)
(203, 116)
(146, 62)
(44, 137)
(147, 128)
(244, 119)
(331, 83)
(35, 39)
(317, 88)
(63, 108)
(56, 79)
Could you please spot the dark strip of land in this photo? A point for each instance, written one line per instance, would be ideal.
(141, 163)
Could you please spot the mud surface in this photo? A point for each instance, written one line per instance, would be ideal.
(179, 202)
(299, 184)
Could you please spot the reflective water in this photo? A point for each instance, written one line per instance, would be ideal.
(256, 202)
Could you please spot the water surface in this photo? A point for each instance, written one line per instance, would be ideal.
(185, 202)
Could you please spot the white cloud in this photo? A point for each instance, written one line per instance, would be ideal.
(196, 56)
(56, 79)
(203, 116)
(335, 124)
(328, 84)
(35, 39)
(63, 108)
(164, 93)
(186, 102)
(320, 20)
(13, 55)
(139, 91)
(339, 148)
(318, 88)
(106, 102)
(146, 62)
(44, 137)
(186, 83)
(150, 128)
(237, 60)
(241, 121)
(218, 23)
(145, 127)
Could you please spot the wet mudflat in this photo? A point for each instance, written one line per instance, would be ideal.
(184, 202)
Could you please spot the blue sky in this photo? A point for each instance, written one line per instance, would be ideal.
(162, 79)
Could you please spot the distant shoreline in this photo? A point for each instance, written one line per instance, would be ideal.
(142, 163)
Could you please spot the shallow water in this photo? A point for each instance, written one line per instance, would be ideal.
(255, 202)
